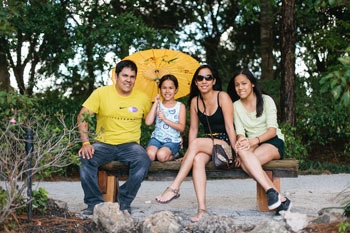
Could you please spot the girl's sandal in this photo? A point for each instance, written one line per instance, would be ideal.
(199, 215)
(169, 189)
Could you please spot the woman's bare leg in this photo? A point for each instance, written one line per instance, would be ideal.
(198, 145)
(251, 164)
(265, 153)
(200, 178)
(252, 161)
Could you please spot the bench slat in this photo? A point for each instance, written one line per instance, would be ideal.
(280, 168)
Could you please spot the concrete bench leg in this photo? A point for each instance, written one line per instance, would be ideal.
(109, 186)
(261, 195)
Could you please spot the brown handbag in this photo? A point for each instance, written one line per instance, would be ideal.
(223, 156)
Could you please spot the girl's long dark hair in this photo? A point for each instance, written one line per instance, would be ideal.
(231, 90)
(194, 91)
(168, 77)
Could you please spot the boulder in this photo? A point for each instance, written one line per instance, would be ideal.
(270, 227)
(218, 224)
(330, 215)
(296, 221)
(162, 222)
(112, 219)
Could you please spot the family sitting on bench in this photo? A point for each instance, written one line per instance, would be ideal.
(243, 111)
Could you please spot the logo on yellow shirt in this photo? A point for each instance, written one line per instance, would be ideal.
(130, 109)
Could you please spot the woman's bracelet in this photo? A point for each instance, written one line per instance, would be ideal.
(258, 139)
(86, 143)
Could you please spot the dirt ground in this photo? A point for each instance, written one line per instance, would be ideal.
(57, 220)
(233, 198)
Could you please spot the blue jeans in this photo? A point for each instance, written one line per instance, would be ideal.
(130, 154)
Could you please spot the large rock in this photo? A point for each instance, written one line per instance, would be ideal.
(162, 222)
(296, 221)
(270, 227)
(109, 216)
(218, 224)
(61, 204)
(330, 215)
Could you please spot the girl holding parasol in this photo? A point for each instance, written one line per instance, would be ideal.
(170, 117)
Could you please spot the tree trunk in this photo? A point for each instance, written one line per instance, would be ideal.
(31, 81)
(211, 46)
(4, 74)
(287, 93)
(266, 38)
(19, 71)
(18, 68)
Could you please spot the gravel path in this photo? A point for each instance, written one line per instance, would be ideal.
(235, 198)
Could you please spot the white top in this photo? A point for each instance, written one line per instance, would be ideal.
(164, 132)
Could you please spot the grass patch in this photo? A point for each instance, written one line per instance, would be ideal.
(311, 167)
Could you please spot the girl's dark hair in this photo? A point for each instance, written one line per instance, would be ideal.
(168, 77)
(231, 90)
(194, 89)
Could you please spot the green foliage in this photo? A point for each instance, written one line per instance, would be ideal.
(39, 200)
(7, 9)
(322, 123)
(347, 209)
(321, 4)
(26, 110)
(3, 197)
(106, 30)
(344, 227)
(294, 148)
(338, 82)
(318, 167)
(15, 105)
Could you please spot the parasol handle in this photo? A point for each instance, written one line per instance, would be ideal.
(157, 83)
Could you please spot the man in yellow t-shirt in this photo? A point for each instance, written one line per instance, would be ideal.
(119, 110)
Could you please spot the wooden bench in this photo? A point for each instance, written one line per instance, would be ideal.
(110, 173)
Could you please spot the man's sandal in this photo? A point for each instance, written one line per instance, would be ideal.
(169, 189)
(199, 215)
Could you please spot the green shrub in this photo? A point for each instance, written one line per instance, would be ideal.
(338, 82)
(320, 167)
(344, 227)
(3, 197)
(323, 124)
(294, 148)
(22, 110)
(39, 200)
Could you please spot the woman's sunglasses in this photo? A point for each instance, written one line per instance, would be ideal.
(206, 77)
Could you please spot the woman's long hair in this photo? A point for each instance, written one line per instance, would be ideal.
(194, 91)
(231, 90)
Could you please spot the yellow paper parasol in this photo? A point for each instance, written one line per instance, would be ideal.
(155, 63)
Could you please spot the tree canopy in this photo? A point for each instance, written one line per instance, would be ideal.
(66, 43)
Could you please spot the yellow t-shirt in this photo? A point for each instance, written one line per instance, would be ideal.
(251, 126)
(119, 118)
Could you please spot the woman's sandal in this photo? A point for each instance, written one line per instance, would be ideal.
(199, 215)
(169, 189)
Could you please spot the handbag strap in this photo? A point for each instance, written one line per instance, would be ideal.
(211, 134)
(206, 117)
